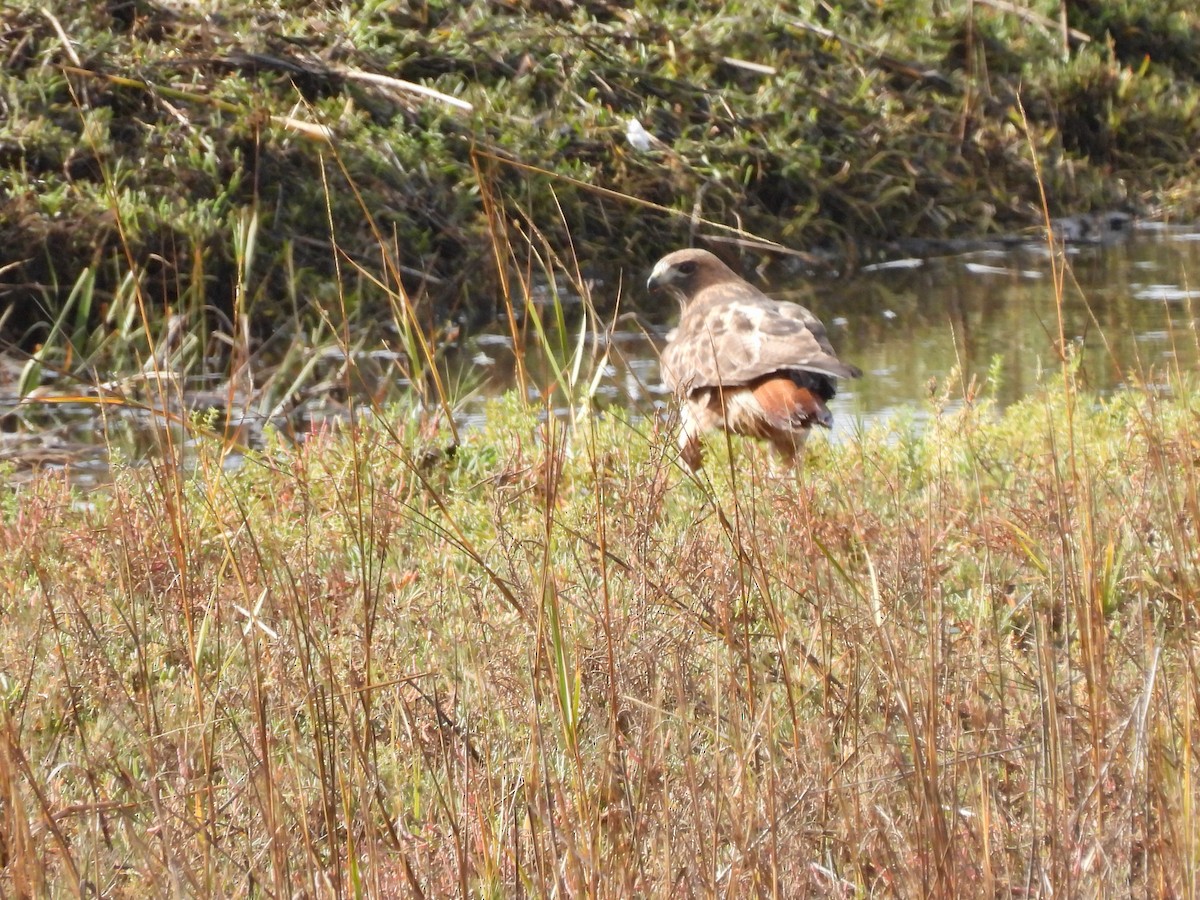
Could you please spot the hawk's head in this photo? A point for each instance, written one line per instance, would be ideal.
(687, 272)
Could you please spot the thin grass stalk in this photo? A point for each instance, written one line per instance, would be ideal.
(79, 301)
(1080, 553)
(245, 242)
(501, 253)
(253, 632)
(27, 867)
(169, 483)
(403, 309)
(354, 511)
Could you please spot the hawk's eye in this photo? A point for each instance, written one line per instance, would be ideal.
(687, 268)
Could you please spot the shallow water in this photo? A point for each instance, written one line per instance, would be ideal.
(916, 327)
(1129, 315)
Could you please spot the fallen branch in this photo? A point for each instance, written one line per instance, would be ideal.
(400, 84)
(307, 129)
(1035, 18)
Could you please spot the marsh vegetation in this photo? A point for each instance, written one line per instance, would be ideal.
(383, 654)
(959, 660)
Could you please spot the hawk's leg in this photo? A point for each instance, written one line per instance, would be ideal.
(690, 450)
(789, 444)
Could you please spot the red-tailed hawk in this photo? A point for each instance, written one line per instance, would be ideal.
(741, 361)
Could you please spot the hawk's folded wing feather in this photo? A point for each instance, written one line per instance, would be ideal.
(733, 334)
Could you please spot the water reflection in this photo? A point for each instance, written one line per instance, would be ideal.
(969, 311)
(1129, 312)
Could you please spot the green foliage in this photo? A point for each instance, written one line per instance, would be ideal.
(875, 122)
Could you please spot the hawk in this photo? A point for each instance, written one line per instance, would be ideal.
(741, 361)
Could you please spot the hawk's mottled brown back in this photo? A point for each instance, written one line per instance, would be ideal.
(742, 361)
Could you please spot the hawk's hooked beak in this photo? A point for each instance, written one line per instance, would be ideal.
(660, 277)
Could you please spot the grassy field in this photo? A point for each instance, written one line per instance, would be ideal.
(954, 661)
(954, 655)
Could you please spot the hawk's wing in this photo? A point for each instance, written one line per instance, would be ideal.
(731, 333)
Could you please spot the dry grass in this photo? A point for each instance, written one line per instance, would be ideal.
(959, 663)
